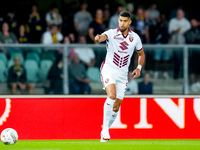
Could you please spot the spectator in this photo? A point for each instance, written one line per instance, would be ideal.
(147, 26)
(78, 80)
(35, 24)
(193, 35)
(130, 8)
(145, 86)
(66, 40)
(154, 14)
(56, 77)
(141, 23)
(23, 37)
(161, 37)
(53, 16)
(106, 17)
(86, 55)
(11, 20)
(194, 86)
(141, 26)
(178, 26)
(82, 20)
(53, 36)
(132, 87)
(17, 78)
(173, 12)
(72, 38)
(97, 26)
(113, 23)
(6, 36)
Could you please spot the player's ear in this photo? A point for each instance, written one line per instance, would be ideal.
(130, 21)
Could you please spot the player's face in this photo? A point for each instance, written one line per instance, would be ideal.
(124, 23)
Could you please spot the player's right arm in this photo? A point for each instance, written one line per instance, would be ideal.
(100, 38)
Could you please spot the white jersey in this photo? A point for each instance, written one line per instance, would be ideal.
(120, 49)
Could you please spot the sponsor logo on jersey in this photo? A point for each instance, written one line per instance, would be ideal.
(122, 52)
(118, 38)
(124, 45)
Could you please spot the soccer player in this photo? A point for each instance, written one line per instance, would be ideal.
(121, 43)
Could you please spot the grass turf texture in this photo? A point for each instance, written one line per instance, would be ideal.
(96, 145)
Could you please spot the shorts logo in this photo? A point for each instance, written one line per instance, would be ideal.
(107, 80)
(6, 112)
(131, 38)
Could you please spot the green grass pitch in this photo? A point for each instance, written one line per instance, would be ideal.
(96, 145)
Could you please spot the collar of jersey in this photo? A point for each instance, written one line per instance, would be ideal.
(129, 32)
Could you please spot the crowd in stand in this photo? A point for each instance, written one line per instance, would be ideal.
(152, 26)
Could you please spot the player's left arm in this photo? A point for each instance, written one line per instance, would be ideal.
(141, 59)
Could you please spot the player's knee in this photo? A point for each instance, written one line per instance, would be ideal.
(112, 96)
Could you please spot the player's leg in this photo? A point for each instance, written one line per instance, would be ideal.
(121, 85)
(117, 104)
(108, 111)
(111, 108)
(116, 107)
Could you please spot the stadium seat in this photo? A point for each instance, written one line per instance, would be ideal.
(10, 63)
(49, 56)
(12, 50)
(33, 56)
(3, 72)
(36, 50)
(45, 66)
(94, 74)
(32, 70)
(3, 58)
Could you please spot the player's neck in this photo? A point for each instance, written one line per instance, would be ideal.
(125, 32)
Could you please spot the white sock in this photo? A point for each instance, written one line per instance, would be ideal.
(109, 115)
(114, 115)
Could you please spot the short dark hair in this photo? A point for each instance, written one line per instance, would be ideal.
(125, 14)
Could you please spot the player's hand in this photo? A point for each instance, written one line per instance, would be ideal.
(136, 73)
(97, 38)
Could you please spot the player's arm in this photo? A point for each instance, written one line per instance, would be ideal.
(100, 38)
(141, 59)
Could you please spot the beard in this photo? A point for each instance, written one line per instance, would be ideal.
(122, 30)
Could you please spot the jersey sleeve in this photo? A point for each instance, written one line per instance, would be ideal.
(107, 33)
(139, 44)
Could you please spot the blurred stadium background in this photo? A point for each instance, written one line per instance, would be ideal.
(49, 36)
(176, 73)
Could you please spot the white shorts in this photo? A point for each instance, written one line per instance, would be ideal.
(108, 77)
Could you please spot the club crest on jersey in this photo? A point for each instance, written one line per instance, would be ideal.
(131, 38)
